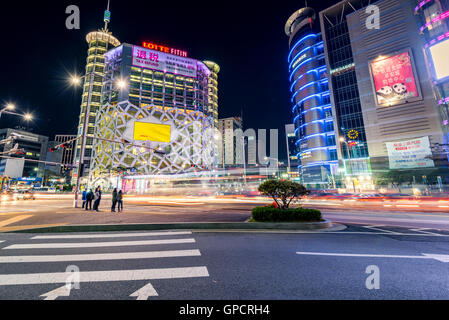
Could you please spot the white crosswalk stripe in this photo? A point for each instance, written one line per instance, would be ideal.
(119, 235)
(96, 244)
(108, 272)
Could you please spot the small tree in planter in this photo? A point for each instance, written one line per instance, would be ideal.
(283, 192)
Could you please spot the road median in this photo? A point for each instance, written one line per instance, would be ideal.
(212, 226)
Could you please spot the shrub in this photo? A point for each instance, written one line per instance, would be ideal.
(283, 192)
(271, 214)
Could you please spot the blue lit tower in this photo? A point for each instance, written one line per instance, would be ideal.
(312, 111)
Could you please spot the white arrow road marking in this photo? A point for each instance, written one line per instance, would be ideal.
(60, 292)
(97, 244)
(99, 257)
(145, 292)
(108, 235)
(104, 276)
(425, 232)
(439, 257)
(377, 229)
(13, 220)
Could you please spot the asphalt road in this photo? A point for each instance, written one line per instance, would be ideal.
(412, 264)
(47, 212)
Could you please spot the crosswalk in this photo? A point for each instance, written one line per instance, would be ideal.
(162, 252)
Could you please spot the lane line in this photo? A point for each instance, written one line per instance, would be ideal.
(105, 276)
(125, 235)
(425, 232)
(1, 241)
(376, 228)
(99, 257)
(97, 244)
(14, 220)
(429, 256)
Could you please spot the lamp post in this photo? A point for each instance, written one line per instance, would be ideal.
(8, 109)
(76, 80)
(343, 140)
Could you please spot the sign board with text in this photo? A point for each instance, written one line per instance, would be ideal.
(410, 154)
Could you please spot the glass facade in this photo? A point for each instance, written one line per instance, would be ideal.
(351, 129)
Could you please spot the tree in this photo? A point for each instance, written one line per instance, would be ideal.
(283, 192)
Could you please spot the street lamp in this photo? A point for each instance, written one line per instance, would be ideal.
(8, 110)
(76, 80)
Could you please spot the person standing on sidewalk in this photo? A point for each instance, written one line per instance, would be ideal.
(97, 199)
(84, 197)
(120, 201)
(89, 198)
(114, 199)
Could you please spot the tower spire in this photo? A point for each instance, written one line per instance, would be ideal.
(107, 17)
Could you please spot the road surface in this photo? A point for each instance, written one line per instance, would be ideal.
(361, 262)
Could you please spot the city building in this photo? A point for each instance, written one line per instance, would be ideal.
(30, 161)
(213, 89)
(53, 166)
(155, 116)
(311, 105)
(387, 116)
(68, 154)
(229, 153)
(99, 42)
(292, 151)
(433, 25)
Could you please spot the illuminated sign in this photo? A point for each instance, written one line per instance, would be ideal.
(150, 59)
(152, 132)
(394, 79)
(301, 58)
(410, 154)
(439, 56)
(353, 134)
(164, 49)
(107, 16)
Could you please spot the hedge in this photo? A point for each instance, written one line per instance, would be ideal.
(272, 214)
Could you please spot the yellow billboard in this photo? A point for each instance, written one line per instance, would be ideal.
(152, 132)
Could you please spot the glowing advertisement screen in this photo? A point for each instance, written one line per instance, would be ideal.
(410, 154)
(152, 132)
(156, 60)
(439, 53)
(394, 80)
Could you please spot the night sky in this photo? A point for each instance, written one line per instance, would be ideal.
(246, 38)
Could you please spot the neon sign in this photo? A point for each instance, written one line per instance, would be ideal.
(164, 49)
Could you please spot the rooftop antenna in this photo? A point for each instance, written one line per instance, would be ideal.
(306, 3)
(107, 17)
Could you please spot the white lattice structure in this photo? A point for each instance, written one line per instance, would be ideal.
(192, 141)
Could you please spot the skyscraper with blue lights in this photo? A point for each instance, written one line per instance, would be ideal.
(311, 104)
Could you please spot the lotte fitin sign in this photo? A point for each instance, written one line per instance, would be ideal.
(394, 79)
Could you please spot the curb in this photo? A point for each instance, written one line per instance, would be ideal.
(218, 226)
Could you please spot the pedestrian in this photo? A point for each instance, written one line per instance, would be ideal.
(120, 201)
(89, 198)
(84, 197)
(114, 199)
(97, 199)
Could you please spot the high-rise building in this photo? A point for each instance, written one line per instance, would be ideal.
(312, 109)
(433, 25)
(229, 153)
(34, 154)
(292, 153)
(68, 154)
(155, 116)
(213, 89)
(99, 43)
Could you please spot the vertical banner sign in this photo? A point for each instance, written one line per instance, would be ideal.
(410, 154)
(156, 60)
(394, 80)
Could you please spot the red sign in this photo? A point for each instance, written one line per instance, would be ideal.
(164, 49)
(394, 80)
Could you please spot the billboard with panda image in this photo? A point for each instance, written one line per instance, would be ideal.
(394, 79)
